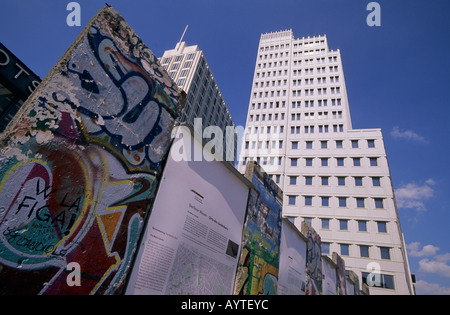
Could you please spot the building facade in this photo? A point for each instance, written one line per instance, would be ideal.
(187, 66)
(334, 177)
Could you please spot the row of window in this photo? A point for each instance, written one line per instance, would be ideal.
(296, 72)
(296, 116)
(299, 54)
(298, 93)
(295, 62)
(342, 202)
(340, 161)
(311, 43)
(364, 250)
(177, 58)
(339, 180)
(321, 128)
(339, 144)
(344, 225)
(324, 161)
(295, 104)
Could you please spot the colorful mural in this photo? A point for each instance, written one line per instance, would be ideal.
(80, 164)
(340, 275)
(259, 261)
(313, 260)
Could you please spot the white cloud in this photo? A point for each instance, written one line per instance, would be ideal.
(426, 288)
(426, 251)
(434, 264)
(437, 265)
(396, 133)
(412, 196)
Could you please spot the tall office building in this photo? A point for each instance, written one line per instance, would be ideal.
(334, 177)
(187, 66)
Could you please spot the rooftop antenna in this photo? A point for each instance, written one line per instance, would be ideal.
(179, 43)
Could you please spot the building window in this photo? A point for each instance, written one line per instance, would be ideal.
(325, 224)
(340, 161)
(382, 227)
(354, 144)
(364, 251)
(344, 249)
(373, 161)
(277, 179)
(376, 181)
(309, 144)
(294, 161)
(357, 161)
(385, 253)
(308, 200)
(324, 161)
(323, 144)
(292, 200)
(325, 201)
(362, 226)
(339, 144)
(378, 280)
(341, 181)
(294, 144)
(343, 225)
(292, 180)
(308, 180)
(371, 143)
(324, 180)
(359, 202)
(358, 181)
(342, 202)
(309, 161)
(379, 203)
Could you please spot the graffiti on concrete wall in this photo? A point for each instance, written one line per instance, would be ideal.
(313, 260)
(341, 288)
(260, 256)
(79, 167)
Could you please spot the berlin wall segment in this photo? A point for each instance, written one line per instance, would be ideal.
(80, 163)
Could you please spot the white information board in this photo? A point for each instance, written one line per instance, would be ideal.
(193, 236)
(329, 277)
(292, 273)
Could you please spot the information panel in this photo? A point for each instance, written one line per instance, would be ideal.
(292, 271)
(194, 234)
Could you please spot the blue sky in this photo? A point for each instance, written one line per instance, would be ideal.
(397, 78)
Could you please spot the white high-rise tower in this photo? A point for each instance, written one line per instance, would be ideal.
(187, 66)
(334, 177)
